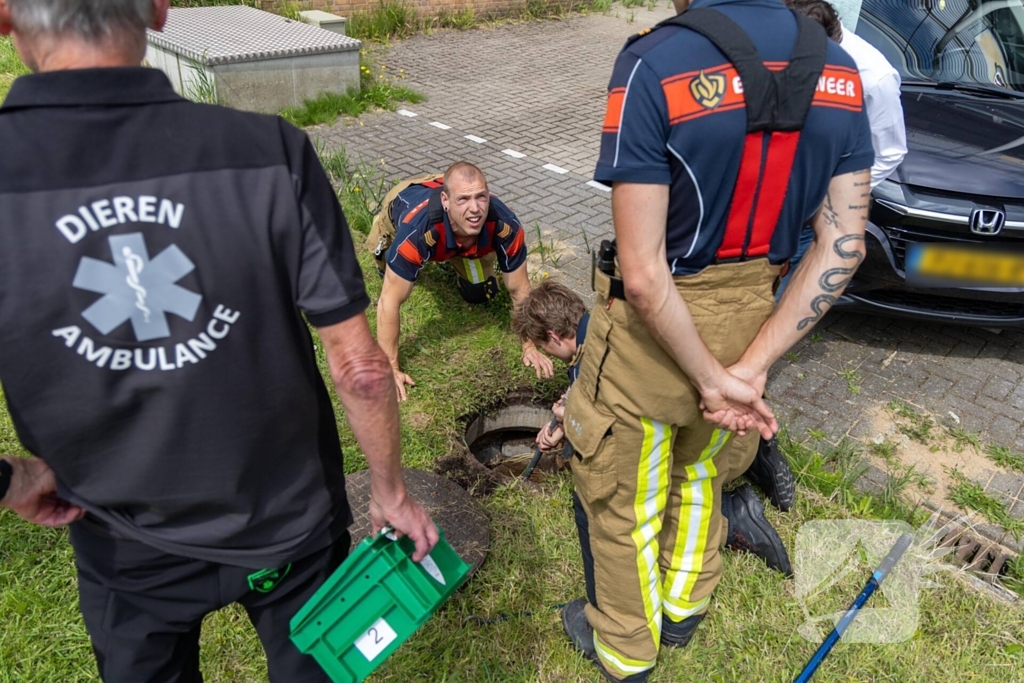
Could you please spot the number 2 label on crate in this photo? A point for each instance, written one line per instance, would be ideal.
(376, 638)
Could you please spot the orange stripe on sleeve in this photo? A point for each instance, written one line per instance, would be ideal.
(517, 243)
(412, 213)
(613, 114)
(410, 253)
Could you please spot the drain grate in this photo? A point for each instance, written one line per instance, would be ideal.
(985, 559)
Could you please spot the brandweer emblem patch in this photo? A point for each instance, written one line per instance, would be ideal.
(708, 90)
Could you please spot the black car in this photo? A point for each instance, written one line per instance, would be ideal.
(946, 235)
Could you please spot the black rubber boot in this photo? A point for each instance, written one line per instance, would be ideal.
(678, 634)
(579, 630)
(750, 532)
(770, 472)
(581, 633)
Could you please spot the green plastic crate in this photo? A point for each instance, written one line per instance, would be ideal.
(373, 603)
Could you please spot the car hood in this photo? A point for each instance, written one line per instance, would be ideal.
(963, 143)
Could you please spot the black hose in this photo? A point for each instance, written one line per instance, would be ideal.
(537, 452)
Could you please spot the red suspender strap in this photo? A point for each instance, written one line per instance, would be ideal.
(774, 182)
(749, 228)
(442, 239)
(743, 198)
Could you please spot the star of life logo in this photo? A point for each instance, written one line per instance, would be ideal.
(137, 289)
(145, 292)
(834, 559)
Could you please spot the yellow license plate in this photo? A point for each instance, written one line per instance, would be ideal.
(959, 265)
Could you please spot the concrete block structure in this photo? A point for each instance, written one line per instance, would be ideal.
(249, 59)
(324, 20)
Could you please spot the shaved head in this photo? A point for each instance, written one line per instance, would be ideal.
(462, 171)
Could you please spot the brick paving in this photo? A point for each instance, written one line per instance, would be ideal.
(538, 89)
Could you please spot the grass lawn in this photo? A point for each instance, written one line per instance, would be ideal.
(10, 65)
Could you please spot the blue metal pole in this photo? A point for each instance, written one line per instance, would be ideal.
(876, 579)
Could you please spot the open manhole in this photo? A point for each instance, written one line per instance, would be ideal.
(503, 439)
(451, 507)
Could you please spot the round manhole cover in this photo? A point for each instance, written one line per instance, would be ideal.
(504, 439)
(461, 517)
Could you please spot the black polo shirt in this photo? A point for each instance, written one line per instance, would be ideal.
(159, 260)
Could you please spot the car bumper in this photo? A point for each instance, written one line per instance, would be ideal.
(880, 286)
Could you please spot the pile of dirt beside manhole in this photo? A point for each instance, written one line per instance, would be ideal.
(500, 445)
(451, 507)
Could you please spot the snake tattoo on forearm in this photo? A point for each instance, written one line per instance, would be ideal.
(834, 280)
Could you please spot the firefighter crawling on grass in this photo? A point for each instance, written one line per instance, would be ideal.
(454, 218)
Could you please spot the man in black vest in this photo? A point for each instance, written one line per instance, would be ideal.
(159, 261)
(727, 128)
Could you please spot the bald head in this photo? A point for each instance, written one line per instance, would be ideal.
(461, 173)
(466, 199)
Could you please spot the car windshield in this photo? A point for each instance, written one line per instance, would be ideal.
(968, 42)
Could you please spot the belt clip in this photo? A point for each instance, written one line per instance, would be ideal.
(380, 246)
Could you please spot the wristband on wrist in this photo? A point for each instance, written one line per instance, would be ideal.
(6, 474)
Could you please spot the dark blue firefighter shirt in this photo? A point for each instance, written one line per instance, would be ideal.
(676, 117)
(417, 241)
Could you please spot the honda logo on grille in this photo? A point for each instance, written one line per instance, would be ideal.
(987, 221)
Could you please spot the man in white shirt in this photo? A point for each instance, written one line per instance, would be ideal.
(881, 83)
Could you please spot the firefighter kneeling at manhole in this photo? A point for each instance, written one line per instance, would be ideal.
(716, 162)
(555, 319)
(454, 218)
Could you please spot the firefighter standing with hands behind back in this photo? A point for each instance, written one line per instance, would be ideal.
(727, 128)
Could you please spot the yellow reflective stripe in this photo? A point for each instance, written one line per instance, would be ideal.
(618, 663)
(681, 609)
(652, 484)
(697, 495)
(474, 270)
